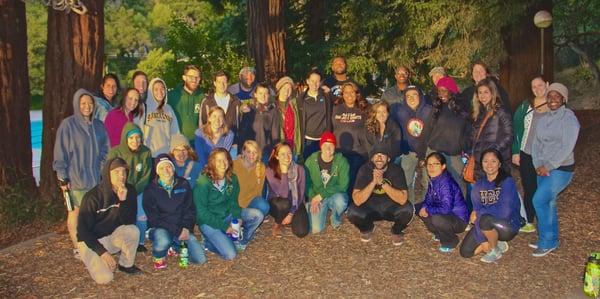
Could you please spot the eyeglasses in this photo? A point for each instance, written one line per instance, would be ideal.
(434, 164)
(192, 78)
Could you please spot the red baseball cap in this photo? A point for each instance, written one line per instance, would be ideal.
(327, 137)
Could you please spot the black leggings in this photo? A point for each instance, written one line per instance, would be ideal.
(529, 182)
(280, 208)
(486, 223)
(375, 209)
(445, 228)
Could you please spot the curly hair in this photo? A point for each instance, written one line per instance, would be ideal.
(372, 124)
(361, 103)
(452, 105)
(210, 169)
(206, 128)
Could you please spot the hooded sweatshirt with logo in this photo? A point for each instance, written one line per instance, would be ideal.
(158, 125)
(139, 161)
(81, 147)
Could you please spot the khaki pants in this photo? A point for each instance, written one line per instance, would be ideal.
(123, 239)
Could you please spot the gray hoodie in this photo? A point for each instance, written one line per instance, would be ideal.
(158, 126)
(81, 147)
(554, 139)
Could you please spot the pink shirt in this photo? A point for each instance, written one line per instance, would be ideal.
(114, 123)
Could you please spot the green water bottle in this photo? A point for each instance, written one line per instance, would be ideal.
(591, 283)
(183, 256)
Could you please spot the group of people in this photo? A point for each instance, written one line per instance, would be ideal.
(154, 163)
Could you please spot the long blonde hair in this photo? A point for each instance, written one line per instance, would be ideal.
(492, 105)
(260, 167)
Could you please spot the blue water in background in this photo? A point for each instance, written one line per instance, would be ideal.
(36, 134)
(36, 142)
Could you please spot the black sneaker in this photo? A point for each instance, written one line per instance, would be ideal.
(142, 248)
(133, 270)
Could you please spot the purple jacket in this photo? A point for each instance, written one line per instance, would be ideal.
(445, 197)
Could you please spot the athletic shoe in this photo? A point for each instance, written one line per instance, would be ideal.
(502, 246)
(542, 251)
(533, 245)
(133, 270)
(76, 254)
(366, 236)
(159, 263)
(445, 249)
(141, 248)
(469, 226)
(492, 256)
(397, 239)
(527, 228)
(171, 252)
(434, 238)
(239, 247)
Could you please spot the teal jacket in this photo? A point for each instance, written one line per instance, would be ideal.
(519, 125)
(340, 176)
(212, 205)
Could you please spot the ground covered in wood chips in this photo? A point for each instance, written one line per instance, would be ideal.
(336, 263)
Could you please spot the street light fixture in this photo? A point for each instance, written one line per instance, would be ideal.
(542, 19)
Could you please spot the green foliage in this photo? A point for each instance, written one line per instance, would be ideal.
(37, 17)
(159, 63)
(126, 31)
(18, 208)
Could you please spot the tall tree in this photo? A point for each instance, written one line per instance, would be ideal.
(15, 145)
(74, 59)
(266, 38)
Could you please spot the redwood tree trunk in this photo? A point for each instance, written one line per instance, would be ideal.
(266, 38)
(523, 44)
(74, 59)
(15, 141)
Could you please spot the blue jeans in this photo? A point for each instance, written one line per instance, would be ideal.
(260, 204)
(162, 240)
(337, 203)
(251, 219)
(141, 220)
(544, 202)
(220, 243)
(409, 163)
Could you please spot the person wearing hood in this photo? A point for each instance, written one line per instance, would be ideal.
(554, 138)
(185, 159)
(79, 152)
(169, 204)
(260, 123)
(106, 225)
(159, 122)
(139, 160)
(412, 114)
(107, 96)
(128, 110)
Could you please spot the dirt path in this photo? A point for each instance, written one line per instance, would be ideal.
(337, 264)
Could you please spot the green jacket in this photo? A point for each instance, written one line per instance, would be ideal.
(139, 162)
(519, 126)
(186, 107)
(340, 176)
(213, 206)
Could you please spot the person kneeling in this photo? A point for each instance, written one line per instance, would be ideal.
(171, 214)
(444, 210)
(106, 224)
(495, 213)
(380, 194)
(328, 174)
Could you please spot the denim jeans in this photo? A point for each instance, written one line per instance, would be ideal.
(251, 219)
(337, 203)
(162, 240)
(260, 204)
(220, 243)
(544, 202)
(409, 164)
(141, 221)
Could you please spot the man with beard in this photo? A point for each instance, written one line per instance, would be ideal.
(380, 194)
(185, 100)
(243, 90)
(396, 94)
(333, 83)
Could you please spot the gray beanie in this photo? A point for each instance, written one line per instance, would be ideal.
(560, 88)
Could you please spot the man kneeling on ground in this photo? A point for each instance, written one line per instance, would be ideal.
(380, 194)
(106, 224)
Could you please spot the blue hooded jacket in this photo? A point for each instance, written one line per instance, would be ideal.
(444, 197)
(412, 123)
(81, 147)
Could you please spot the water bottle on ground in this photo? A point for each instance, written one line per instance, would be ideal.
(183, 256)
(591, 278)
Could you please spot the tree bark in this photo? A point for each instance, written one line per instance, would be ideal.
(523, 45)
(15, 144)
(74, 59)
(266, 38)
(589, 60)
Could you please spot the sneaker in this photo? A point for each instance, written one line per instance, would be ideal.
(366, 236)
(539, 252)
(142, 248)
(502, 246)
(159, 263)
(133, 270)
(434, 238)
(76, 254)
(492, 256)
(527, 228)
(397, 239)
(239, 247)
(469, 226)
(533, 245)
(266, 219)
(171, 252)
(445, 249)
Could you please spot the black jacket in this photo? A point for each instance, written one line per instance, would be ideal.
(497, 133)
(261, 125)
(172, 212)
(101, 212)
(447, 130)
(302, 110)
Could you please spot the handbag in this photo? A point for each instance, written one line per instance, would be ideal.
(469, 170)
(300, 222)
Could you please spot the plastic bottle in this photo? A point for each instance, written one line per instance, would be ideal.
(183, 256)
(591, 284)
(235, 226)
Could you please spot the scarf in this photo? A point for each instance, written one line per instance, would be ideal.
(292, 175)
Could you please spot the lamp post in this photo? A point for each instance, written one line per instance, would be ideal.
(542, 19)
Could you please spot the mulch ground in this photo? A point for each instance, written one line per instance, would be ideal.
(337, 264)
